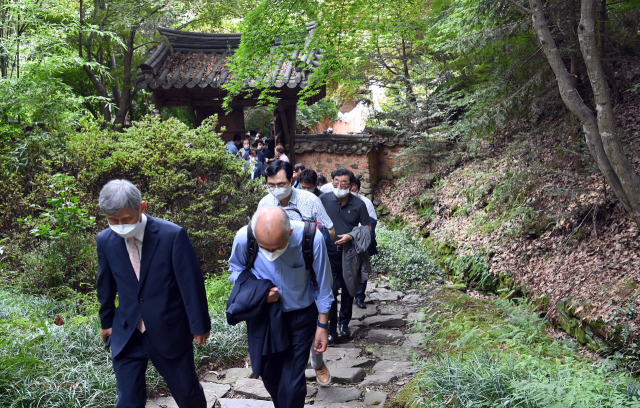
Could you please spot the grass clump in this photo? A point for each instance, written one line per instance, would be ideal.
(46, 365)
(497, 354)
(403, 257)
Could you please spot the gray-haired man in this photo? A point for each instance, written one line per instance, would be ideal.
(158, 317)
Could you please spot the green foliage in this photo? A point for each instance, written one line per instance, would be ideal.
(64, 217)
(501, 379)
(403, 257)
(185, 176)
(308, 116)
(472, 269)
(509, 207)
(258, 119)
(497, 354)
(53, 267)
(44, 365)
(218, 291)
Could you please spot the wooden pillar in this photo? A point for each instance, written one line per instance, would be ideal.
(284, 121)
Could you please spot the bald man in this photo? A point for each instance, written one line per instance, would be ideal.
(305, 307)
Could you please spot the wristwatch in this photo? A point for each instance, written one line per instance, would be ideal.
(323, 325)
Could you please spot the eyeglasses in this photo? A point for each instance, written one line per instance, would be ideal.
(344, 184)
(279, 185)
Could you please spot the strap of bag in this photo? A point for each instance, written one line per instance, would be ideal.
(308, 238)
(307, 249)
(252, 247)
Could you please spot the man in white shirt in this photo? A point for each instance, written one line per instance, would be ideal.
(373, 250)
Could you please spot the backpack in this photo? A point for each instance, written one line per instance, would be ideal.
(307, 246)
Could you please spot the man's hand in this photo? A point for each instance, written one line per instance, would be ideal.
(201, 338)
(343, 239)
(105, 333)
(273, 295)
(321, 341)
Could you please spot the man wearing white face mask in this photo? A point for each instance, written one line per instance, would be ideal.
(158, 317)
(279, 175)
(347, 212)
(305, 306)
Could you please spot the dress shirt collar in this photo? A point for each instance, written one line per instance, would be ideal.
(140, 235)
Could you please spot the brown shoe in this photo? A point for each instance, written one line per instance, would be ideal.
(323, 376)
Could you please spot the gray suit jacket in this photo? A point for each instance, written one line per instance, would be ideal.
(356, 265)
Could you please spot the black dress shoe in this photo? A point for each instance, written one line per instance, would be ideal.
(333, 339)
(360, 304)
(344, 330)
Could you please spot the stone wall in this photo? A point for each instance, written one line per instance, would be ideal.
(388, 160)
(373, 157)
(326, 162)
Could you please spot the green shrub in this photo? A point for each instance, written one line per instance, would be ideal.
(185, 176)
(498, 354)
(472, 269)
(404, 257)
(218, 291)
(44, 365)
(54, 266)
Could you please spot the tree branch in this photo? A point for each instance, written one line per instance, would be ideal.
(526, 10)
(147, 43)
(154, 11)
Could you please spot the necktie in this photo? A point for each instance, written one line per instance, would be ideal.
(134, 257)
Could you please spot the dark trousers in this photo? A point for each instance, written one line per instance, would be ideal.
(346, 301)
(372, 250)
(283, 373)
(130, 367)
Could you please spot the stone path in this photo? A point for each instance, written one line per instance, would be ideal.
(367, 368)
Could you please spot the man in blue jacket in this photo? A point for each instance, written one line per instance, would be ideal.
(152, 266)
(304, 307)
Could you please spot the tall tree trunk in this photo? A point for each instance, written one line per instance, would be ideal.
(606, 121)
(573, 37)
(99, 85)
(127, 94)
(575, 104)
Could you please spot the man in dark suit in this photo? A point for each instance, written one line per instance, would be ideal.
(152, 266)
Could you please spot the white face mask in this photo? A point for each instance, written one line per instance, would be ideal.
(281, 193)
(127, 230)
(340, 193)
(272, 256)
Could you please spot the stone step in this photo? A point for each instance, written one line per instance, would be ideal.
(330, 395)
(394, 310)
(211, 392)
(375, 398)
(381, 336)
(340, 375)
(385, 321)
(396, 367)
(251, 388)
(229, 376)
(385, 352)
(359, 314)
(244, 403)
(386, 296)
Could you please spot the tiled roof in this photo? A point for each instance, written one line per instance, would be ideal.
(188, 59)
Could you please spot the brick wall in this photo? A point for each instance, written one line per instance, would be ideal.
(326, 162)
(387, 160)
(363, 154)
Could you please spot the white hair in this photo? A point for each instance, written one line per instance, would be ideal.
(286, 223)
(117, 195)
